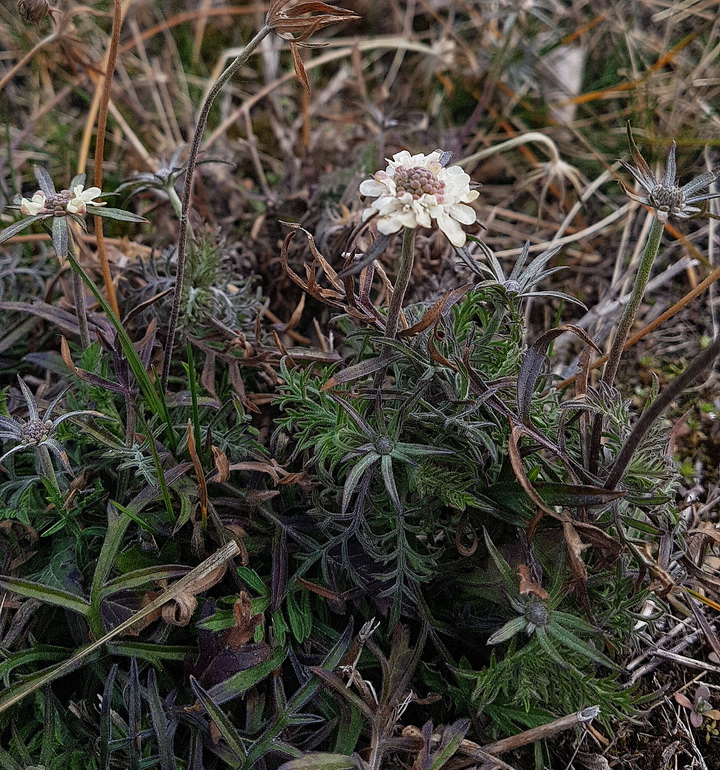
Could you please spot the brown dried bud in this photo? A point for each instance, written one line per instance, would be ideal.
(298, 22)
(34, 11)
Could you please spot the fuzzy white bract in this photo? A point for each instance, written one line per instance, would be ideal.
(83, 198)
(416, 189)
(32, 207)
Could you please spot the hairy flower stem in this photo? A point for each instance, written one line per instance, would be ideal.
(79, 298)
(47, 471)
(110, 61)
(625, 325)
(407, 260)
(628, 317)
(229, 71)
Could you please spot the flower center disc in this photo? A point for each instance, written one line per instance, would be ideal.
(418, 181)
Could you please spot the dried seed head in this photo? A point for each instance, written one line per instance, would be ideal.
(298, 22)
(34, 11)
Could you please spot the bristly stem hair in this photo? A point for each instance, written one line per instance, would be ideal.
(229, 71)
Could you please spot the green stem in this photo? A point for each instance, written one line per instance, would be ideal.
(47, 471)
(407, 260)
(623, 329)
(79, 298)
(229, 71)
(628, 317)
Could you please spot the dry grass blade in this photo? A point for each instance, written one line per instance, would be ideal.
(14, 695)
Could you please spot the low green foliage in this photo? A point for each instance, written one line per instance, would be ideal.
(349, 524)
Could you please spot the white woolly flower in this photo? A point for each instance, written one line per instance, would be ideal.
(83, 198)
(415, 189)
(32, 207)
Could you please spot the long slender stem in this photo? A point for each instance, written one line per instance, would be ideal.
(407, 260)
(628, 317)
(187, 193)
(79, 298)
(100, 148)
(623, 329)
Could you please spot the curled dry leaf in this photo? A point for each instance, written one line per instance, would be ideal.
(179, 611)
(528, 586)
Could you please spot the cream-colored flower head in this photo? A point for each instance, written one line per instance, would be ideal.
(83, 198)
(33, 206)
(416, 189)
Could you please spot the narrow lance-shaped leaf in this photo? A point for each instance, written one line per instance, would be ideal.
(222, 723)
(317, 761)
(60, 237)
(450, 742)
(17, 227)
(46, 594)
(534, 360)
(118, 214)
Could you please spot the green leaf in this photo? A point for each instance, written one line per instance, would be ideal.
(253, 580)
(161, 726)
(118, 214)
(576, 495)
(568, 639)
(508, 576)
(512, 627)
(54, 596)
(241, 682)
(142, 577)
(450, 741)
(224, 725)
(45, 653)
(153, 653)
(17, 227)
(353, 478)
(299, 614)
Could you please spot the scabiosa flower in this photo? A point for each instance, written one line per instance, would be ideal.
(415, 189)
(665, 196)
(83, 198)
(49, 204)
(39, 431)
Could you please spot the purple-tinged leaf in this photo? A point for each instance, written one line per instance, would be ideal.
(224, 726)
(45, 181)
(164, 729)
(17, 227)
(60, 237)
(534, 360)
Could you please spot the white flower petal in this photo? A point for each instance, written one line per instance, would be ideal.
(388, 225)
(373, 188)
(34, 206)
(464, 214)
(455, 234)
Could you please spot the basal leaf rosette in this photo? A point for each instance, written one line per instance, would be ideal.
(414, 190)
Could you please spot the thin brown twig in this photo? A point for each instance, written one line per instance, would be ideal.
(100, 147)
